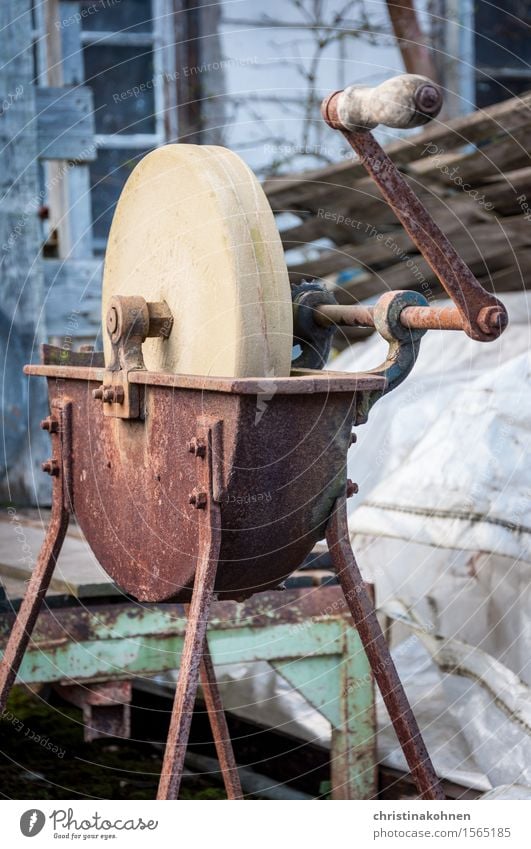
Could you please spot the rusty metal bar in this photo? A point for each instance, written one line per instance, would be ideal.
(41, 576)
(209, 520)
(416, 318)
(432, 318)
(374, 643)
(218, 724)
(303, 384)
(484, 316)
(350, 316)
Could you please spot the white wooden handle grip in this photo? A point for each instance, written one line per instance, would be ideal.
(405, 101)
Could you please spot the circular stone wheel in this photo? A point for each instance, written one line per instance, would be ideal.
(194, 228)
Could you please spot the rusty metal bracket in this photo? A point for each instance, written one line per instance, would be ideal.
(316, 314)
(404, 346)
(378, 654)
(129, 322)
(315, 340)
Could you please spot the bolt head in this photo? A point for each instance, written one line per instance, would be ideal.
(198, 499)
(112, 320)
(352, 488)
(51, 467)
(428, 99)
(353, 438)
(197, 446)
(50, 424)
(98, 393)
(493, 320)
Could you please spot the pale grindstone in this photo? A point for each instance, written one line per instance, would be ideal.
(194, 228)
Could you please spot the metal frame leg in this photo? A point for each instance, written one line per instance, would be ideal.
(218, 724)
(383, 668)
(43, 571)
(209, 518)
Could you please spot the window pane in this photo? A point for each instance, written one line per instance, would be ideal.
(107, 176)
(121, 79)
(116, 15)
(494, 91)
(502, 34)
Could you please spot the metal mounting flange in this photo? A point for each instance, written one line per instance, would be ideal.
(129, 321)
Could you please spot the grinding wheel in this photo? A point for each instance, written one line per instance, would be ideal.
(194, 228)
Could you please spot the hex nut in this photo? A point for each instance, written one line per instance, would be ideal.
(197, 446)
(352, 488)
(51, 467)
(119, 394)
(492, 320)
(198, 499)
(50, 424)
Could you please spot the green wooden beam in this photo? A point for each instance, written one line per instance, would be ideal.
(341, 688)
(353, 759)
(124, 652)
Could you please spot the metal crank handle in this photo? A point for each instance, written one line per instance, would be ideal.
(483, 316)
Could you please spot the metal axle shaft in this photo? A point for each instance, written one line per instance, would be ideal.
(416, 318)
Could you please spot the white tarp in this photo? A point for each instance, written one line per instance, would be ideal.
(443, 519)
(451, 443)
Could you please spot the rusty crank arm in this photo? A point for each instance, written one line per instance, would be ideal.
(408, 101)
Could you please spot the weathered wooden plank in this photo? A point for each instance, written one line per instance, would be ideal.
(286, 192)
(486, 247)
(504, 191)
(75, 212)
(65, 123)
(52, 355)
(77, 572)
(507, 151)
(73, 297)
(353, 215)
(20, 273)
(515, 275)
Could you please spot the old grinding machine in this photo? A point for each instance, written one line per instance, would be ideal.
(164, 447)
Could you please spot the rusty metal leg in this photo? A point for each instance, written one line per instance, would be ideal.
(209, 521)
(384, 670)
(43, 571)
(218, 723)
